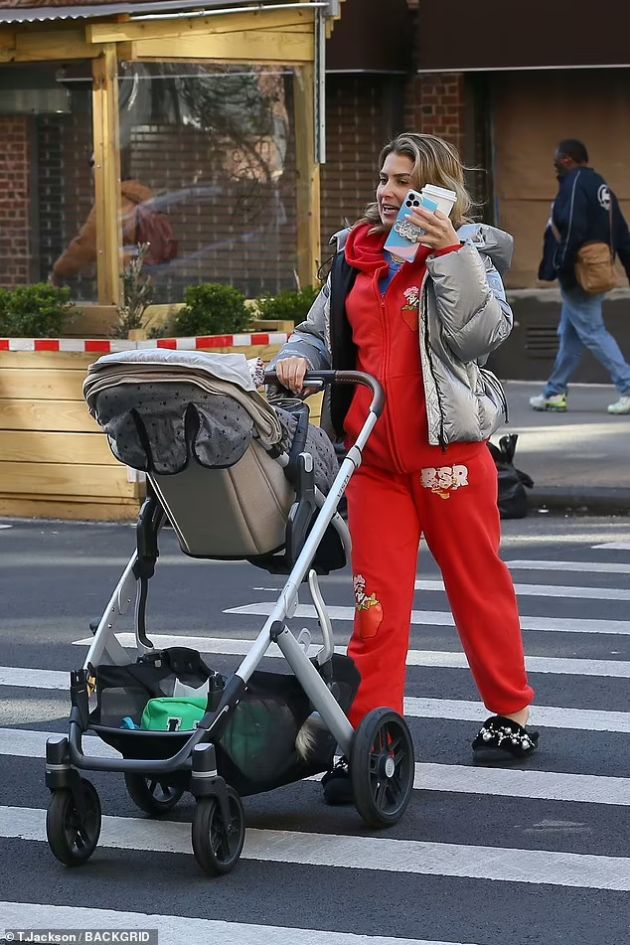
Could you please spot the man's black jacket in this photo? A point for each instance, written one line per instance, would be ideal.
(582, 214)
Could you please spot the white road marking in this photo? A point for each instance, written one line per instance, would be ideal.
(176, 930)
(614, 546)
(584, 720)
(104, 561)
(30, 678)
(592, 567)
(548, 590)
(442, 618)
(459, 779)
(501, 864)
(28, 743)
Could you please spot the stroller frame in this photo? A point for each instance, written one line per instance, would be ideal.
(65, 756)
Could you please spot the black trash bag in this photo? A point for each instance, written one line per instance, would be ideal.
(512, 481)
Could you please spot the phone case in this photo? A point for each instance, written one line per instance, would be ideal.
(402, 238)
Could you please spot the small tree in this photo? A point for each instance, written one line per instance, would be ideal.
(137, 294)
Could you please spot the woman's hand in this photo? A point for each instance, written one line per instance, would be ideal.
(291, 373)
(438, 229)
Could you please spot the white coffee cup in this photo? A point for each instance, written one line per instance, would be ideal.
(444, 198)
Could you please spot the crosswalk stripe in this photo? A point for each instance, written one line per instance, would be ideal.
(548, 590)
(105, 561)
(456, 779)
(29, 743)
(592, 567)
(29, 678)
(585, 720)
(443, 618)
(417, 857)
(512, 782)
(173, 930)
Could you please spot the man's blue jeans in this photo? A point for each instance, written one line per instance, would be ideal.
(582, 326)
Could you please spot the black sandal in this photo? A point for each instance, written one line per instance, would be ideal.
(337, 786)
(499, 736)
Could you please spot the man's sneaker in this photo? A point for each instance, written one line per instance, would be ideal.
(620, 406)
(556, 402)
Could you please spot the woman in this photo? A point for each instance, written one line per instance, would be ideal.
(423, 329)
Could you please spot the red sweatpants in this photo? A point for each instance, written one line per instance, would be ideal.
(456, 510)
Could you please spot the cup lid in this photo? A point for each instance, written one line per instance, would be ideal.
(439, 192)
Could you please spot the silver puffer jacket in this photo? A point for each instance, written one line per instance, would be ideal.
(464, 316)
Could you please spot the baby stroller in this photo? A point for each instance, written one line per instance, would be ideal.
(236, 479)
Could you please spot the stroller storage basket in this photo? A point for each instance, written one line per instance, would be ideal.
(256, 750)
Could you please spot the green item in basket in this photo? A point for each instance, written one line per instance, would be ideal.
(173, 714)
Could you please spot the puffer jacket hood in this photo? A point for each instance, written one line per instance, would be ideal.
(492, 242)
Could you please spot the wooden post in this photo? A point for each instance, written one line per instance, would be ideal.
(308, 184)
(105, 121)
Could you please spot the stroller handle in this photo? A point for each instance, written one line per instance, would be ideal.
(324, 378)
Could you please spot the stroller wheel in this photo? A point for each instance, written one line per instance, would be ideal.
(150, 795)
(217, 846)
(72, 837)
(382, 767)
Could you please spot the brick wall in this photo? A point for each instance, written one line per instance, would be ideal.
(435, 104)
(65, 188)
(14, 201)
(363, 112)
(229, 228)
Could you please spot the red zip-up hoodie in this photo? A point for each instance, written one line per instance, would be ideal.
(385, 331)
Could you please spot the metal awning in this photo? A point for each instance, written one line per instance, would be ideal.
(15, 15)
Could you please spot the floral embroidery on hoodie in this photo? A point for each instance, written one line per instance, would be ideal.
(412, 295)
(410, 311)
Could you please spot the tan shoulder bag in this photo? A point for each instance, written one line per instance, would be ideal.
(595, 264)
(594, 261)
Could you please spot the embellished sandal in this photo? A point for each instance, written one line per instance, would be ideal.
(499, 736)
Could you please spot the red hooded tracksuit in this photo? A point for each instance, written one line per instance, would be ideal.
(407, 488)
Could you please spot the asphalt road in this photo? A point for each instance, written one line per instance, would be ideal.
(536, 854)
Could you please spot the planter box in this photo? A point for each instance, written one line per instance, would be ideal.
(54, 460)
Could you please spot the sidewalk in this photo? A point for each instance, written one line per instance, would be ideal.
(579, 459)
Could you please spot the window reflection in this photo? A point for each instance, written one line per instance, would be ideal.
(213, 144)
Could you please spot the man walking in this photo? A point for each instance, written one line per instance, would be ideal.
(585, 210)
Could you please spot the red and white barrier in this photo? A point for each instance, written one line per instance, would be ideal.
(107, 346)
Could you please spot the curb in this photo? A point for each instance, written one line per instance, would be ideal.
(584, 499)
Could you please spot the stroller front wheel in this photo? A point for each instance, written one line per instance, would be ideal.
(72, 836)
(217, 846)
(150, 795)
(382, 767)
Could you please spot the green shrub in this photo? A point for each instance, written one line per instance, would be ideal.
(288, 306)
(211, 309)
(34, 311)
(4, 301)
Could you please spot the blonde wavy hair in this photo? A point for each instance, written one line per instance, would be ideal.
(435, 161)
